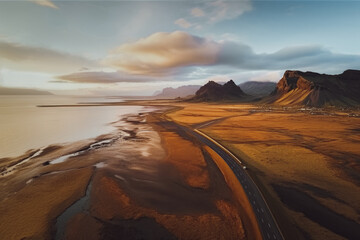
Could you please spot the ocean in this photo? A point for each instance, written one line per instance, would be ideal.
(24, 126)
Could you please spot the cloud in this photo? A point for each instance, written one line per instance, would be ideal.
(309, 58)
(272, 76)
(102, 78)
(221, 10)
(183, 23)
(38, 59)
(197, 12)
(162, 54)
(45, 3)
(214, 12)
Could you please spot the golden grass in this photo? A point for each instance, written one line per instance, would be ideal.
(197, 113)
(239, 193)
(109, 201)
(187, 158)
(299, 153)
(293, 147)
(30, 212)
(299, 164)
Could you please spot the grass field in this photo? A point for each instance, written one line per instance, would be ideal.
(299, 160)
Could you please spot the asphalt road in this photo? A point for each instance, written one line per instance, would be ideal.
(267, 223)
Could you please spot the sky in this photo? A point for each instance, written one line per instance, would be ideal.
(138, 47)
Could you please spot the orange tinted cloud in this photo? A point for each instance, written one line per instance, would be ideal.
(102, 77)
(169, 54)
(163, 53)
(45, 3)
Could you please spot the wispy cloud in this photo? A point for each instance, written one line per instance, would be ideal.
(38, 59)
(224, 10)
(183, 23)
(45, 3)
(103, 77)
(213, 12)
(197, 12)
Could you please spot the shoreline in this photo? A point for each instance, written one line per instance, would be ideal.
(136, 144)
(128, 174)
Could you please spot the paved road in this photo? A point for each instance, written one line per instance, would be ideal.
(268, 226)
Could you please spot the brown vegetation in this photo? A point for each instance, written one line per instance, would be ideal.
(110, 202)
(188, 159)
(314, 154)
(248, 215)
(30, 212)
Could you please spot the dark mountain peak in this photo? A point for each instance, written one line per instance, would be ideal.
(212, 84)
(232, 88)
(315, 89)
(230, 83)
(351, 71)
(213, 91)
(292, 73)
(350, 74)
(293, 79)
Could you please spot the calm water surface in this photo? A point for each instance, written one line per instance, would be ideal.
(24, 126)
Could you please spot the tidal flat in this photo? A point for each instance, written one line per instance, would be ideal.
(143, 180)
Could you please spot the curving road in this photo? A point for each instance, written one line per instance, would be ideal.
(268, 226)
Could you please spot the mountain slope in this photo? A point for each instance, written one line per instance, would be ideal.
(182, 91)
(314, 89)
(212, 92)
(258, 88)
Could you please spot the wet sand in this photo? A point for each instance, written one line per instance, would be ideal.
(142, 181)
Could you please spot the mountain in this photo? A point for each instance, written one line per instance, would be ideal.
(259, 89)
(22, 91)
(212, 92)
(182, 92)
(317, 90)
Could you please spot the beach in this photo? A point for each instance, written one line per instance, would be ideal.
(145, 179)
(153, 178)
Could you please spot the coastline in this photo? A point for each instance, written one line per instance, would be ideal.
(134, 169)
(26, 176)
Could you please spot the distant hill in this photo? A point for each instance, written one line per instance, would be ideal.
(314, 89)
(182, 92)
(212, 92)
(258, 89)
(22, 91)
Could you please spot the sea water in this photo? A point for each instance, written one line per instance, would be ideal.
(24, 126)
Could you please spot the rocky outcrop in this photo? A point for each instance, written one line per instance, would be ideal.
(212, 92)
(314, 89)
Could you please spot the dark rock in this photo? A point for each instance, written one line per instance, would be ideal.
(213, 91)
(314, 89)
